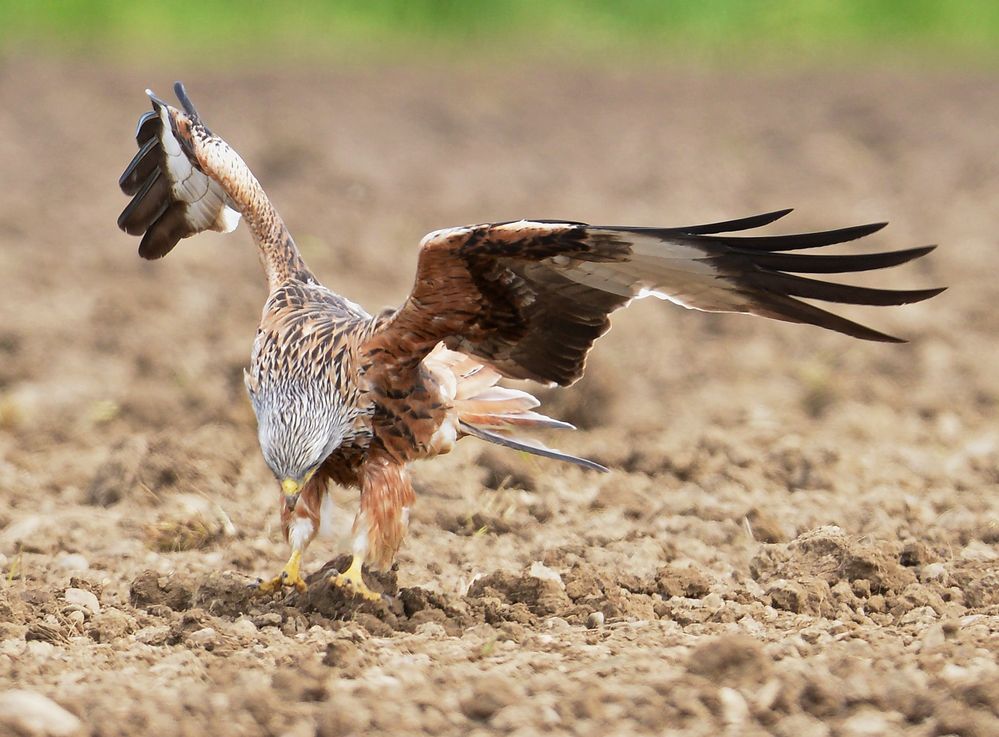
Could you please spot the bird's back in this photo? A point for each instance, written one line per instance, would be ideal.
(304, 355)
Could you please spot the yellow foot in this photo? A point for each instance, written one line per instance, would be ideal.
(291, 575)
(351, 578)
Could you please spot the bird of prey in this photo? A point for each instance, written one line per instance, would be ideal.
(351, 398)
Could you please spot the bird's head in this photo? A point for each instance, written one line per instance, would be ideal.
(297, 430)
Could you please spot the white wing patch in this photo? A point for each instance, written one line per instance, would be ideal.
(207, 207)
(657, 268)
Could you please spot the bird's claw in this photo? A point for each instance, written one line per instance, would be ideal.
(279, 582)
(357, 588)
(351, 579)
(290, 576)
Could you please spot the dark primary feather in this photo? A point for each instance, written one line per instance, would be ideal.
(147, 127)
(726, 226)
(152, 213)
(812, 264)
(150, 201)
(798, 286)
(142, 166)
(168, 230)
(798, 241)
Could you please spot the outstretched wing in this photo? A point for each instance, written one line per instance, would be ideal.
(171, 198)
(531, 297)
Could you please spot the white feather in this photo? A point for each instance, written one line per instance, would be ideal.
(207, 207)
(658, 268)
(300, 533)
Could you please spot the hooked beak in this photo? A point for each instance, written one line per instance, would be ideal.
(291, 489)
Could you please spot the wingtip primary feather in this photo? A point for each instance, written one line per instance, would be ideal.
(796, 241)
(158, 102)
(185, 101)
(746, 223)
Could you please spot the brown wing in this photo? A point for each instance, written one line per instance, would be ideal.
(531, 297)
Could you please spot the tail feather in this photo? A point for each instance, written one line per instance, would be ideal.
(496, 414)
(534, 447)
(473, 378)
(504, 422)
(494, 403)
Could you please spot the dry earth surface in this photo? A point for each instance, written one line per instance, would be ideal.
(800, 532)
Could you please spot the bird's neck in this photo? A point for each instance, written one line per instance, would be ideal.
(279, 255)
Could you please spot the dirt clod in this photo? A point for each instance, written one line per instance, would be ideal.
(676, 581)
(175, 591)
(731, 660)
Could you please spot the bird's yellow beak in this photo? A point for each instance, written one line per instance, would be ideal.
(291, 489)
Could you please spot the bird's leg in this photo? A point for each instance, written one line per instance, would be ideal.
(352, 579)
(300, 522)
(386, 495)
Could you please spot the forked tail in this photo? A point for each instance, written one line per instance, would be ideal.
(498, 414)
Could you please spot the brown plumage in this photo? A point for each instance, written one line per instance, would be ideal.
(345, 397)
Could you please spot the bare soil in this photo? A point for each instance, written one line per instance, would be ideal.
(800, 532)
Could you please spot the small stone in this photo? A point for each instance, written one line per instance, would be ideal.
(735, 710)
(244, 627)
(595, 620)
(877, 603)
(869, 723)
(72, 562)
(713, 601)
(267, 619)
(557, 624)
(918, 615)
(936, 572)
(84, 598)
(933, 637)
(540, 570)
(153, 635)
(431, 630)
(205, 637)
(33, 715)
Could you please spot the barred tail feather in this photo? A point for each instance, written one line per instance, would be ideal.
(499, 415)
(535, 447)
(484, 410)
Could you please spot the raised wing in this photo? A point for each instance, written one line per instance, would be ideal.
(531, 297)
(171, 197)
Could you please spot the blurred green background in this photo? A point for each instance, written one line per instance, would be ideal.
(934, 32)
